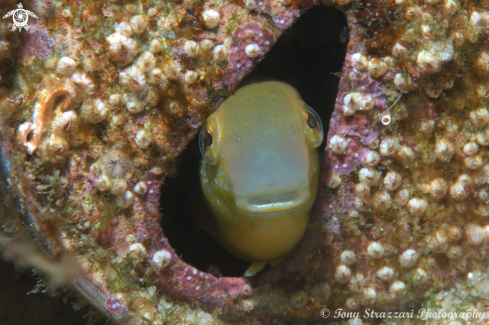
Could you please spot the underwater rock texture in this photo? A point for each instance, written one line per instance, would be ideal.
(106, 95)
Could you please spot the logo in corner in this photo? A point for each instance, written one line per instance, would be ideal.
(20, 17)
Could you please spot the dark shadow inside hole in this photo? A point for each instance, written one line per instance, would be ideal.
(307, 56)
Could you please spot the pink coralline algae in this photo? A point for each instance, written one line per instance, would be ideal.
(193, 282)
(37, 44)
(233, 286)
(153, 184)
(359, 129)
(115, 305)
(250, 43)
(282, 16)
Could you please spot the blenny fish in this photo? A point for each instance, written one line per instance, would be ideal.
(259, 171)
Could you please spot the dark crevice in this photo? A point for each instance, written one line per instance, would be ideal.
(308, 56)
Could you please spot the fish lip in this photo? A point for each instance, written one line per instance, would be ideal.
(273, 202)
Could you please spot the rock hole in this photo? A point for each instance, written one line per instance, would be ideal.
(309, 56)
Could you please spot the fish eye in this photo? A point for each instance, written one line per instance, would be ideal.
(207, 139)
(314, 128)
(311, 121)
(208, 143)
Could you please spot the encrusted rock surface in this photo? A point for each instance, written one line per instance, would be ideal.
(105, 96)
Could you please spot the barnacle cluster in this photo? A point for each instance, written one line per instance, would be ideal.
(117, 89)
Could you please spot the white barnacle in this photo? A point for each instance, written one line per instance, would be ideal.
(381, 201)
(121, 49)
(137, 253)
(140, 188)
(392, 180)
(353, 101)
(299, 299)
(338, 144)
(252, 50)
(399, 51)
(67, 122)
(132, 78)
(191, 48)
(23, 133)
(473, 162)
(401, 198)
(449, 7)
(342, 274)
(482, 137)
(397, 288)
(321, 291)
(474, 234)
(94, 111)
(114, 99)
(454, 233)
(471, 148)
(162, 258)
(417, 206)
(348, 257)
(455, 252)
(426, 127)
(119, 186)
(408, 258)
(482, 63)
(443, 51)
(83, 84)
(155, 46)
(372, 158)
(367, 297)
(375, 250)
(369, 176)
(124, 29)
(211, 18)
(444, 149)
(385, 273)
(157, 77)
(117, 164)
(420, 276)
(458, 191)
(146, 62)
(206, 45)
(413, 13)
(190, 77)
(377, 68)
(389, 146)
(480, 116)
(438, 188)
(172, 70)
(134, 106)
(406, 154)
(138, 24)
(66, 66)
(334, 180)
(220, 53)
(125, 200)
(362, 190)
(359, 61)
(482, 89)
(357, 282)
(142, 139)
(428, 62)
(103, 183)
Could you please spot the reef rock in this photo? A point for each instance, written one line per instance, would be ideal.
(105, 96)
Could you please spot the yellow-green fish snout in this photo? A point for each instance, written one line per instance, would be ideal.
(259, 170)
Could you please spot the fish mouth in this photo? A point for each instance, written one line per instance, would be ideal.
(273, 202)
